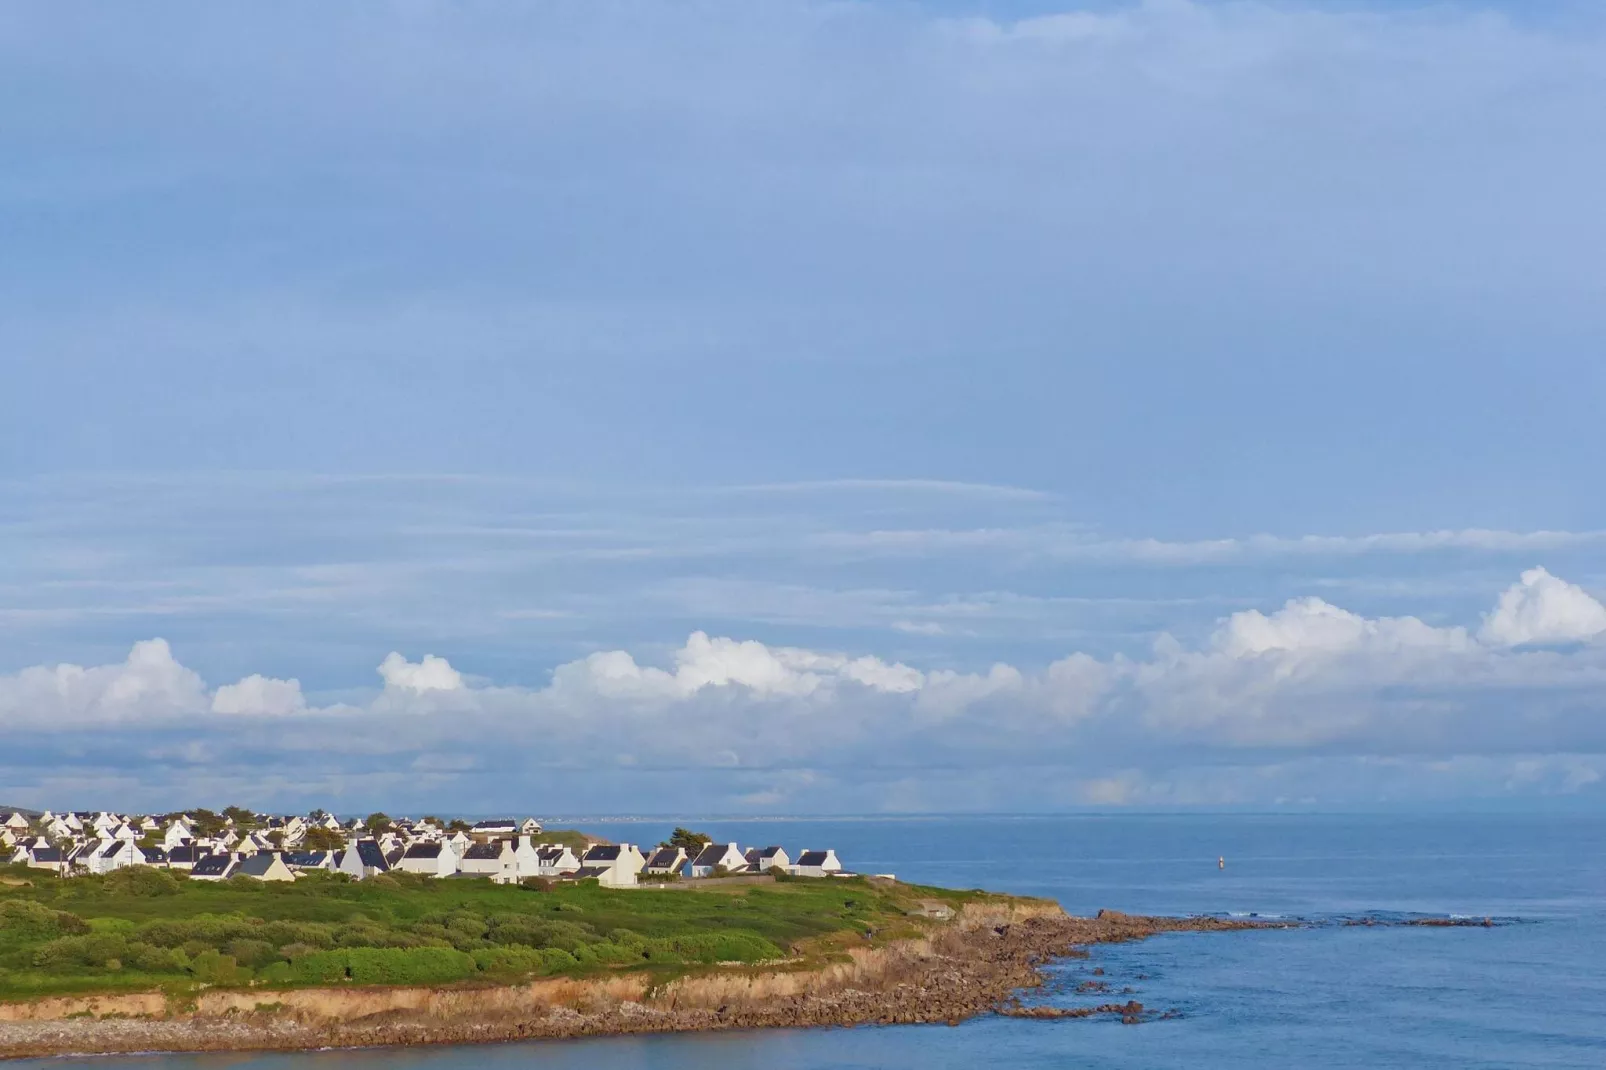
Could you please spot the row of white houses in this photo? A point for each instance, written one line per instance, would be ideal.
(501, 850)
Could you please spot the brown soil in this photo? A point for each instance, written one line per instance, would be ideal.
(965, 967)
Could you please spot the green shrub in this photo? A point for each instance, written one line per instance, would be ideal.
(24, 920)
(276, 973)
(213, 967)
(729, 946)
(402, 966)
(307, 933)
(141, 880)
(253, 953)
(319, 967)
(154, 959)
(93, 949)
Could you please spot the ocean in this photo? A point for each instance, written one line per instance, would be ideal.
(1530, 991)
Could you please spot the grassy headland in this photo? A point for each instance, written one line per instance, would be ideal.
(144, 929)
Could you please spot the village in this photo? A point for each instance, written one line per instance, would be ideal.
(209, 846)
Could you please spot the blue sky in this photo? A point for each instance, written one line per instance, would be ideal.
(994, 385)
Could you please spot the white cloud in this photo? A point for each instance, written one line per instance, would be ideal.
(1310, 679)
(258, 695)
(430, 674)
(1543, 609)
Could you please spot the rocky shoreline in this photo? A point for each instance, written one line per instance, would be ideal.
(969, 966)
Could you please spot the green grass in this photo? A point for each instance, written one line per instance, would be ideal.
(141, 929)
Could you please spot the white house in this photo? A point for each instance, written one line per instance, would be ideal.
(178, 834)
(214, 867)
(555, 860)
(726, 856)
(665, 861)
(431, 859)
(496, 828)
(617, 863)
(16, 822)
(816, 864)
(764, 859)
(530, 827)
(361, 859)
(493, 859)
(264, 866)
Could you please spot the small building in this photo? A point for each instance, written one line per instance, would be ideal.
(496, 828)
(185, 856)
(764, 859)
(297, 861)
(816, 864)
(530, 827)
(555, 860)
(489, 859)
(264, 866)
(430, 859)
(215, 867)
(716, 856)
(362, 859)
(665, 862)
(624, 860)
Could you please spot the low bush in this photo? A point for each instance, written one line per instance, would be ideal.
(23, 920)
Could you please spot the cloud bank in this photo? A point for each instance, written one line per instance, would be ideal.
(1306, 683)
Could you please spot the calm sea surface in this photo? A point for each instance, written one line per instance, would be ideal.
(1531, 993)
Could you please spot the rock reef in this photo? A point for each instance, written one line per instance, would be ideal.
(969, 965)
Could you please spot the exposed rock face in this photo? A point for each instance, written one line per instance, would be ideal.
(965, 967)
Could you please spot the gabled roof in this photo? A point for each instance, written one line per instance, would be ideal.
(46, 854)
(152, 854)
(550, 854)
(496, 823)
(666, 858)
(590, 871)
(256, 865)
(187, 853)
(603, 852)
(813, 858)
(423, 850)
(369, 854)
(713, 854)
(212, 866)
(484, 851)
(306, 859)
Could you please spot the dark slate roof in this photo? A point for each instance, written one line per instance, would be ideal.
(187, 854)
(665, 857)
(589, 871)
(394, 856)
(550, 854)
(111, 848)
(152, 854)
(423, 850)
(484, 850)
(306, 859)
(46, 854)
(256, 865)
(603, 852)
(811, 858)
(212, 866)
(711, 855)
(369, 854)
(766, 852)
(496, 823)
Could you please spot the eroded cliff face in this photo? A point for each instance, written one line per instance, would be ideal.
(959, 968)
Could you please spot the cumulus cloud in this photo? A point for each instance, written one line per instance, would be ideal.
(1309, 680)
(1542, 608)
(430, 674)
(258, 695)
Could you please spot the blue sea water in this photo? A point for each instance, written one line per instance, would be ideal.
(1528, 993)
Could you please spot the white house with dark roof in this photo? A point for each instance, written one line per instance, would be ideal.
(430, 859)
(493, 859)
(764, 859)
(530, 827)
(555, 860)
(264, 866)
(726, 856)
(495, 828)
(617, 863)
(16, 822)
(816, 864)
(665, 861)
(215, 867)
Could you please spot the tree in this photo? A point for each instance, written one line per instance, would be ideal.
(457, 824)
(206, 823)
(377, 824)
(243, 819)
(691, 841)
(319, 838)
(318, 817)
(276, 837)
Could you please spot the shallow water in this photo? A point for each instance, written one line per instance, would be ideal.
(1530, 993)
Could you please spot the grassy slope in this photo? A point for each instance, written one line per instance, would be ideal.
(173, 934)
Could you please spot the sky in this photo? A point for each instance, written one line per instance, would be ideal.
(785, 406)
